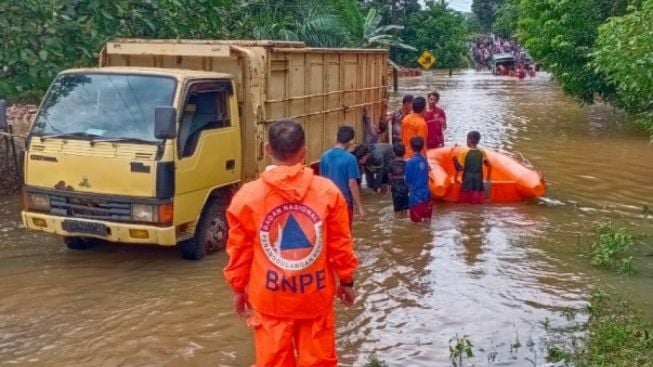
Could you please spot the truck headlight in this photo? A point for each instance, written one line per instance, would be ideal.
(40, 202)
(144, 213)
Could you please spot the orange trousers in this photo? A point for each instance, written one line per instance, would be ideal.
(285, 342)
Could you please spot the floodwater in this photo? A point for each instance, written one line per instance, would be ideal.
(497, 274)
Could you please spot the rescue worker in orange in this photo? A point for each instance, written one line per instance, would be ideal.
(290, 252)
(414, 124)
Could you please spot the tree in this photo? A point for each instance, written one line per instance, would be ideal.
(316, 23)
(394, 11)
(333, 23)
(506, 18)
(560, 35)
(440, 30)
(366, 30)
(38, 39)
(484, 10)
(623, 54)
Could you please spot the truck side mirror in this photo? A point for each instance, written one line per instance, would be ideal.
(165, 126)
(3, 115)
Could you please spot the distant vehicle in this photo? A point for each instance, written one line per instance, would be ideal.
(505, 59)
(528, 60)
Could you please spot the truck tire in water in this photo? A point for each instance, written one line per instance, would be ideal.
(211, 233)
(79, 243)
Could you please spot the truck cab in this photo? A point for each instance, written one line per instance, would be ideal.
(134, 155)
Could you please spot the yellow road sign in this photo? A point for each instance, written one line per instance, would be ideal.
(426, 60)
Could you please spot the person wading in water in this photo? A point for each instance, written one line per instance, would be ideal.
(290, 252)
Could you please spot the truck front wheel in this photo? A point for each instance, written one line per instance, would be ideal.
(210, 235)
(79, 243)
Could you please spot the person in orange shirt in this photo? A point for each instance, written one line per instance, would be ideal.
(290, 252)
(414, 125)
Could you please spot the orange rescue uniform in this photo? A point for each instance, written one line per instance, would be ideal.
(413, 125)
(289, 238)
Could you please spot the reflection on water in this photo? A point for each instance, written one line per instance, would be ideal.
(491, 272)
(473, 272)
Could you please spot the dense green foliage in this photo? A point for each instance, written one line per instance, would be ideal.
(485, 12)
(616, 336)
(560, 35)
(596, 49)
(506, 19)
(394, 11)
(611, 247)
(333, 23)
(39, 38)
(440, 30)
(624, 54)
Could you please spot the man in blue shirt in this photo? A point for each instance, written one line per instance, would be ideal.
(341, 167)
(417, 179)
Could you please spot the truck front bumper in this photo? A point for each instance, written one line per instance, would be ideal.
(115, 231)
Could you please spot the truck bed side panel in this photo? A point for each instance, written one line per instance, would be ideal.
(325, 90)
(322, 88)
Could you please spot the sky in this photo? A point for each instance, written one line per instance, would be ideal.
(461, 5)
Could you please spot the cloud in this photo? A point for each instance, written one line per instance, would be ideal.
(460, 5)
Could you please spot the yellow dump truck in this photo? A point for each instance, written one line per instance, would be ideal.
(149, 147)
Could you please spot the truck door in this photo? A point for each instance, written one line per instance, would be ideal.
(208, 143)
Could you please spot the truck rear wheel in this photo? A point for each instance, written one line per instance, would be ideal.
(211, 233)
(79, 243)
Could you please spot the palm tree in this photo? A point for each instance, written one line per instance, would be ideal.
(321, 27)
(312, 22)
(319, 23)
(366, 30)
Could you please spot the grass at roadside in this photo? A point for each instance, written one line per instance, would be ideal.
(611, 248)
(616, 335)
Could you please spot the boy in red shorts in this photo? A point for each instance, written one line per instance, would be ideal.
(417, 179)
(470, 163)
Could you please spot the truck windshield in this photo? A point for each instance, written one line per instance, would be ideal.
(104, 106)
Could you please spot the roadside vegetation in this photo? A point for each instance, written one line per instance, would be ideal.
(615, 336)
(598, 50)
(611, 248)
(40, 38)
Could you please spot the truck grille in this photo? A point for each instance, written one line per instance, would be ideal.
(89, 208)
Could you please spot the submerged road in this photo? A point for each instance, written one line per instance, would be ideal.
(498, 274)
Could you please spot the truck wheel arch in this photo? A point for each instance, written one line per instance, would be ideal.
(213, 214)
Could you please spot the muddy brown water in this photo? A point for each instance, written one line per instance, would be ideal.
(494, 273)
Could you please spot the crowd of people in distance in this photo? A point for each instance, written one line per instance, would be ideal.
(402, 165)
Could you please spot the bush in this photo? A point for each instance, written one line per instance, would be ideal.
(40, 38)
(623, 54)
(616, 335)
(611, 247)
(556, 354)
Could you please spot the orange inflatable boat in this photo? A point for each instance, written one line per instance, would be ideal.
(511, 180)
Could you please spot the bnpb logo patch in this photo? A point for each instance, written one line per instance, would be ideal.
(291, 236)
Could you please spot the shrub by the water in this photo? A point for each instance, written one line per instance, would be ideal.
(459, 349)
(372, 361)
(616, 335)
(611, 247)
